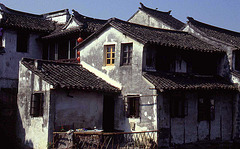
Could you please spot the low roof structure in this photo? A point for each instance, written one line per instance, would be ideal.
(227, 36)
(163, 37)
(68, 75)
(178, 81)
(26, 21)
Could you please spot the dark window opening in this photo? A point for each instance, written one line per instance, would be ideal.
(36, 108)
(63, 49)
(165, 61)
(72, 51)
(45, 51)
(206, 109)
(132, 107)
(204, 63)
(126, 58)
(52, 51)
(22, 42)
(150, 59)
(237, 60)
(178, 107)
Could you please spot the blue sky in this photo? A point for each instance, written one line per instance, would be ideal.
(221, 13)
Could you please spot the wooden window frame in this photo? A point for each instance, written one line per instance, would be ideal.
(22, 42)
(132, 106)
(127, 60)
(112, 53)
(36, 107)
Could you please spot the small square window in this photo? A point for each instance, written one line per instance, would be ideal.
(22, 42)
(36, 109)
(126, 53)
(109, 51)
(132, 106)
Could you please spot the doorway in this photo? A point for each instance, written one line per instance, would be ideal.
(108, 113)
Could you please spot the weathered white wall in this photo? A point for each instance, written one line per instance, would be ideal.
(188, 129)
(9, 60)
(82, 109)
(144, 19)
(129, 76)
(33, 131)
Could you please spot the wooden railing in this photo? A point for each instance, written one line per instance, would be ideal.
(104, 140)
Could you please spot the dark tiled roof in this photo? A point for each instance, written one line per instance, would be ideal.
(89, 24)
(227, 36)
(62, 33)
(236, 73)
(170, 38)
(20, 20)
(170, 81)
(68, 75)
(165, 17)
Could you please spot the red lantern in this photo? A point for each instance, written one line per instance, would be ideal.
(78, 59)
(78, 53)
(79, 40)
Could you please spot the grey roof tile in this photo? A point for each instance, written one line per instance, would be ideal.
(68, 75)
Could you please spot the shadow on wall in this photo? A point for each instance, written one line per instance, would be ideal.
(20, 135)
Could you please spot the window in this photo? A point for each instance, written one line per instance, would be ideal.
(72, 50)
(206, 109)
(150, 59)
(36, 108)
(63, 49)
(51, 51)
(178, 107)
(132, 106)
(109, 55)
(126, 58)
(22, 42)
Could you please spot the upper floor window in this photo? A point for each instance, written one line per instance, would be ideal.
(36, 108)
(109, 51)
(22, 42)
(150, 59)
(126, 58)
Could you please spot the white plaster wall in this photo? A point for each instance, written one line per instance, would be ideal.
(83, 109)
(33, 131)
(9, 60)
(144, 19)
(130, 77)
(61, 17)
